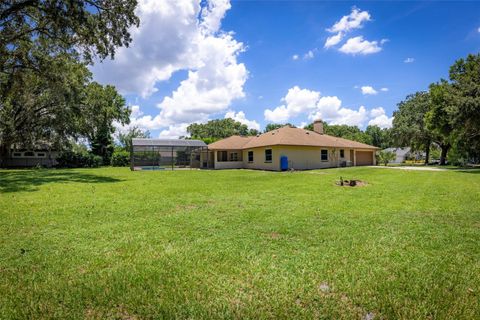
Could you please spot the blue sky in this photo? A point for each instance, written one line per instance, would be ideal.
(271, 61)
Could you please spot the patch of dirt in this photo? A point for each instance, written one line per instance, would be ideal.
(274, 235)
(351, 183)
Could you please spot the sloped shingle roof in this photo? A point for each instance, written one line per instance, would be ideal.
(233, 142)
(288, 136)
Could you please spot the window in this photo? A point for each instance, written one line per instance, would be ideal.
(29, 154)
(41, 154)
(342, 153)
(233, 156)
(268, 155)
(17, 154)
(250, 156)
(221, 156)
(324, 155)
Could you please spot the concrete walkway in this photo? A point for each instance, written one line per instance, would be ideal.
(411, 168)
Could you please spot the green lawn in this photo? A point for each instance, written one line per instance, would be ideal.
(111, 243)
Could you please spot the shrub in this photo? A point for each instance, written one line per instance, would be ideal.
(120, 158)
(71, 159)
(385, 157)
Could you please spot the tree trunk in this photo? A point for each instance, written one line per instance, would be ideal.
(443, 155)
(427, 154)
(4, 154)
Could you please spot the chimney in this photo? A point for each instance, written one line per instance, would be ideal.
(318, 126)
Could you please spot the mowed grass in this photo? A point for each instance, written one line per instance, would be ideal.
(114, 244)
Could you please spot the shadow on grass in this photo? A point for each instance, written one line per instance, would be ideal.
(30, 180)
(475, 171)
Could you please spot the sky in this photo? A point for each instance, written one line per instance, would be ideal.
(262, 62)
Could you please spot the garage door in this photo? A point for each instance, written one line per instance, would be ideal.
(364, 158)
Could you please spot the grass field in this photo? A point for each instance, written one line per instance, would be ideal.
(110, 243)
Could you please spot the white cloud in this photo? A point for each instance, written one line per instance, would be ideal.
(409, 60)
(296, 101)
(309, 55)
(384, 89)
(310, 103)
(333, 40)
(330, 109)
(174, 131)
(478, 29)
(379, 118)
(136, 112)
(358, 45)
(295, 57)
(173, 36)
(353, 21)
(240, 117)
(368, 90)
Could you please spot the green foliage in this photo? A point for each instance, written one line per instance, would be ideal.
(102, 106)
(219, 129)
(409, 128)
(83, 28)
(125, 139)
(274, 126)
(239, 244)
(379, 137)
(120, 159)
(373, 135)
(385, 157)
(465, 112)
(44, 48)
(70, 159)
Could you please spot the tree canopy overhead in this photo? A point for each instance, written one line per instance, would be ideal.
(89, 27)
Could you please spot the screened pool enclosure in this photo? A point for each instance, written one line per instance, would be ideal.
(165, 154)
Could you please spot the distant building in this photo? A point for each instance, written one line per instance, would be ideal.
(405, 153)
(38, 156)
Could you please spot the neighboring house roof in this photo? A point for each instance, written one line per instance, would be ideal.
(399, 151)
(167, 142)
(288, 136)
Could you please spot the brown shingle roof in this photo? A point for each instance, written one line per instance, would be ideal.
(288, 136)
(230, 143)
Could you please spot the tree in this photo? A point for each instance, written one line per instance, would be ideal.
(40, 109)
(275, 126)
(465, 111)
(343, 131)
(218, 129)
(386, 156)
(378, 137)
(101, 107)
(125, 139)
(438, 119)
(409, 127)
(41, 78)
(86, 27)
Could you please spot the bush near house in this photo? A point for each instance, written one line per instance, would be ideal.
(120, 158)
(73, 159)
(385, 157)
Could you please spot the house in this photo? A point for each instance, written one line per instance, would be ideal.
(405, 153)
(295, 148)
(41, 155)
